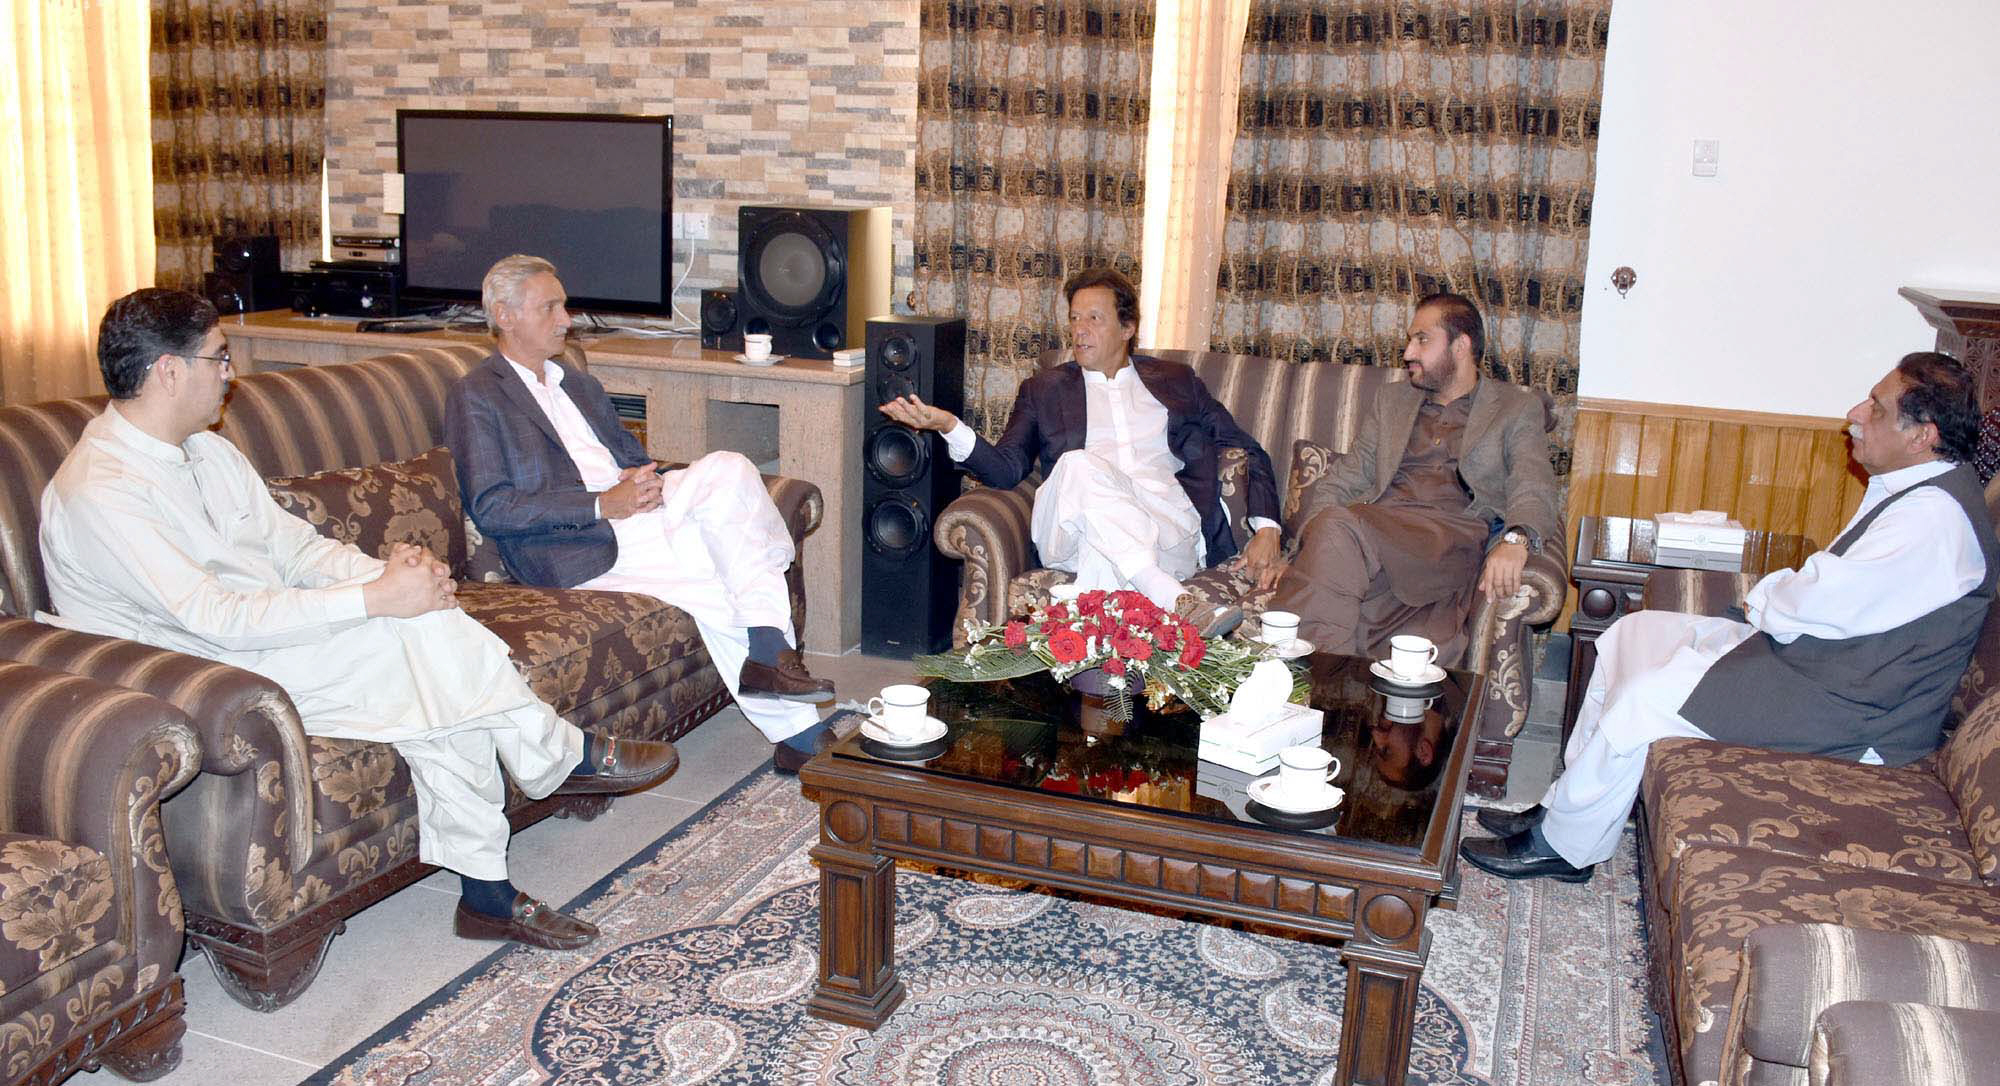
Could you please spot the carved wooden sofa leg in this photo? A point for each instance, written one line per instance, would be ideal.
(262, 979)
(153, 1047)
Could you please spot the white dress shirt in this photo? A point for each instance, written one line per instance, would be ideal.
(1919, 555)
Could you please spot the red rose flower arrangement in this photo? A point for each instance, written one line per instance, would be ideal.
(1129, 636)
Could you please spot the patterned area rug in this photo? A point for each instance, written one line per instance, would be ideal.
(709, 953)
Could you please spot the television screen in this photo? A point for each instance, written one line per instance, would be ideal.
(591, 193)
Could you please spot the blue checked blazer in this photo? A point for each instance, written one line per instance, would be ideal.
(519, 484)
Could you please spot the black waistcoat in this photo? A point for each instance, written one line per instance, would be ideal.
(1839, 697)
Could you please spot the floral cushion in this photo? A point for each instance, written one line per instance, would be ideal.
(55, 904)
(1719, 895)
(411, 501)
(1969, 766)
(575, 646)
(1700, 792)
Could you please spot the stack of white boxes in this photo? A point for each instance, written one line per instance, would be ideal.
(1703, 539)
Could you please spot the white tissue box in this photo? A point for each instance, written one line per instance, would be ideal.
(1254, 747)
(1698, 540)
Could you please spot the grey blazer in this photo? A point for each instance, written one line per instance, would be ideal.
(1504, 458)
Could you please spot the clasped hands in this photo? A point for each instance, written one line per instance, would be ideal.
(637, 491)
(413, 582)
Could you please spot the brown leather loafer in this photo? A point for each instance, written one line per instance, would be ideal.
(788, 680)
(623, 765)
(531, 922)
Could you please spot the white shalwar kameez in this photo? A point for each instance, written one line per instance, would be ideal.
(1113, 512)
(1919, 555)
(716, 548)
(182, 547)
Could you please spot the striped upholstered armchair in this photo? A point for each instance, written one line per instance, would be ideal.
(283, 835)
(1305, 416)
(90, 920)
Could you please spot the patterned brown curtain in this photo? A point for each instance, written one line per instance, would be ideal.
(1388, 150)
(239, 123)
(1031, 157)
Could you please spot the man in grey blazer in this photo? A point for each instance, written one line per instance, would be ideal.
(546, 471)
(1446, 492)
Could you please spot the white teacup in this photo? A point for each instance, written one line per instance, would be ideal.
(756, 346)
(1404, 710)
(1304, 772)
(1280, 627)
(1410, 655)
(901, 709)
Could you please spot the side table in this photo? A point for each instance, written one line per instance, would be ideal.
(1614, 555)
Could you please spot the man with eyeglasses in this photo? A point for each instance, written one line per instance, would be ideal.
(156, 530)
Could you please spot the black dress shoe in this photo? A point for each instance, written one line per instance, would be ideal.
(623, 765)
(1520, 856)
(529, 922)
(787, 679)
(787, 755)
(1508, 823)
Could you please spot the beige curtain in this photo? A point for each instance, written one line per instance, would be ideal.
(76, 201)
(1390, 149)
(1031, 132)
(1197, 71)
(239, 127)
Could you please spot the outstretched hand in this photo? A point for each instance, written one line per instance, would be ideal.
(918, 415)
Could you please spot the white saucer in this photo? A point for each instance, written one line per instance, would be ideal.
(1290, 650)
(933, 729)
(1381, 670)
(768, 360)
(1265, 791)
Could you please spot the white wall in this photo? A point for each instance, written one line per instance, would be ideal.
(1860, 153)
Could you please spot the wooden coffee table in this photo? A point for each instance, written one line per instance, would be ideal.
(1019, 788)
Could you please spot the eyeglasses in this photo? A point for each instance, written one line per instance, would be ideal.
(221, 360)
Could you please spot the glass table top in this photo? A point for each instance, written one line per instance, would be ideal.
(1034, 733)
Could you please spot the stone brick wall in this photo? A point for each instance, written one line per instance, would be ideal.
(774, 101)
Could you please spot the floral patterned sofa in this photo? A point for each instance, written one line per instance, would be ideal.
(1816, 920)
(90, 923)
(355, 449)
(1304, 415)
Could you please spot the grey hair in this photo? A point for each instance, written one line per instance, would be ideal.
(502, 285)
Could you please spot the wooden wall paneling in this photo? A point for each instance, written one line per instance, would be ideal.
(1776, 473)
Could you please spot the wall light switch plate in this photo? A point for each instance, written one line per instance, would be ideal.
(392, 194)
(696, 226)
(1707, 157)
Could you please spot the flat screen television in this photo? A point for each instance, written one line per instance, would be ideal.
(592, 193)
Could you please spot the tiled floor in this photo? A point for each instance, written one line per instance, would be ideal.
(399, 951)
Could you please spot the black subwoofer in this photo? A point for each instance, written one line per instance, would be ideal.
(246, 276)
(721, 321)
(812, 277)
(909, 591)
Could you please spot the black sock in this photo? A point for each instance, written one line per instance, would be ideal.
(766, 642)
(588, 766)
(489, 896)
(805, 740)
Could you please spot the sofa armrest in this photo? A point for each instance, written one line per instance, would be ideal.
(1695, 591)
(987, 529)
(247, 726)
(799, 503)
(1871, 1043)
(1791, 973)
(1499, 646)
(88, 763)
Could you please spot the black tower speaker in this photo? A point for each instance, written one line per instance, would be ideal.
(909, 591)
(246, 276)
(722, 322)
(812, 277)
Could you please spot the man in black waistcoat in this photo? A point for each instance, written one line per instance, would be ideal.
(1853, 655)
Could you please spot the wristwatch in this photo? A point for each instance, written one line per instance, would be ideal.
(1516, 535)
